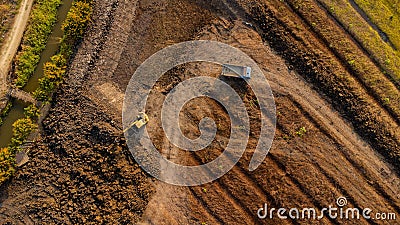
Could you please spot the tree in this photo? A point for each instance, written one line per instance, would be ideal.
(77, 19)
(21, 130)
(31, 112)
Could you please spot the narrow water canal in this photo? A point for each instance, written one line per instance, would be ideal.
(17, 111)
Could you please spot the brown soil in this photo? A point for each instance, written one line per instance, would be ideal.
(81, 172)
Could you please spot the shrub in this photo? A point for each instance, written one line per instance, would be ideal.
(5, 112)
(77, 19)
(301, 132)
(73, 27)
(53, 73)
(7, 164)
(41, 21)
(31, 112)
(21, 130)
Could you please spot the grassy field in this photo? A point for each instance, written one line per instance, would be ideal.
(8, 9)
(359, 63)
(382, 52)
(385, 15)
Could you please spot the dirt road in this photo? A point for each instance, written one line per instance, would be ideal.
(12, 42)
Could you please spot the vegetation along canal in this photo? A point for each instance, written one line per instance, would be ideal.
(53, 42)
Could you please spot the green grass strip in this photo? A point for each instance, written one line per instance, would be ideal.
(385, 16)
(382, 52)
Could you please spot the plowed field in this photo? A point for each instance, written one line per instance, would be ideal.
(326, 84)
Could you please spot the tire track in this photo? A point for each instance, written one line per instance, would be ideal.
(352, 141)
(11, 215)
(355, 74)
(373, 59)
(333, 182)
(324, 121)
(205, 206)
(239, 173)
(330, 86)
(244, 198)
(205, 210)
(218, 187)
(327, 121)
(281, 169)
(382, 34)
(335, 136)
(359, 167)
(301, 187)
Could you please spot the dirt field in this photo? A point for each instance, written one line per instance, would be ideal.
(81, 171)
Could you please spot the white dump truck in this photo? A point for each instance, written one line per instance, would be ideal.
(236, 71)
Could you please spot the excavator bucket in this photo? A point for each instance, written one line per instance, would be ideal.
(141, 120)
